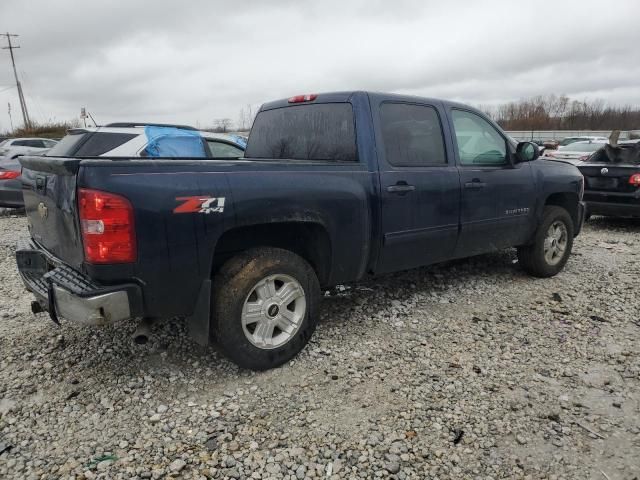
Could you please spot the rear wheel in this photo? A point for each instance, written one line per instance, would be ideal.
(265, 304)
(552, 244)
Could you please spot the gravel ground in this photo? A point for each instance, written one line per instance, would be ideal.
(464, 370)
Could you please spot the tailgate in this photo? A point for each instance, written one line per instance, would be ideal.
(609, 177)
(49, 189)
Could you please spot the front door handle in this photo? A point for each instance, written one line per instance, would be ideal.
(401, 188)
(475, 184)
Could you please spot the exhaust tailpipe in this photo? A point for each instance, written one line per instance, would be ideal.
(143, 332)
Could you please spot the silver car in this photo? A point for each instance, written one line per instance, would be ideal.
(14, 147)
(576, 152)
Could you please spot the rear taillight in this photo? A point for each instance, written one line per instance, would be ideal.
(108, 231)
(9, 175)
(310, 97)
(583, 158)
(635, 179)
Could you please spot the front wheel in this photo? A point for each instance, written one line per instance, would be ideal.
(265, 307)
(552, 244)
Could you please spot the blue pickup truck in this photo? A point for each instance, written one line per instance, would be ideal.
(331, 188)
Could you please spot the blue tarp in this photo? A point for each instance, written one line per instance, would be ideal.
(241, 141)
(173, 142)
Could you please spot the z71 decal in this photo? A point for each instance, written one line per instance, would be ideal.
(200, 204)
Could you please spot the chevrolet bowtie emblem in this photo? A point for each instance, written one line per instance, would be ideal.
(43, 210)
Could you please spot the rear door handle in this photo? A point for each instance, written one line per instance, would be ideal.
(475, 184)
(400, 188)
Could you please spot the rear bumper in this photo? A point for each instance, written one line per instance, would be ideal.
(11, 194)
(613, 209)
(613, 204)
(67, 293)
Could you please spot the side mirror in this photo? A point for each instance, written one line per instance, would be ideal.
(527, 151)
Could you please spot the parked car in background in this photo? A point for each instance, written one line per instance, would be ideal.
(576, 152)
(13, 147)
(149, 140)
(583, 138)
(331, 188)
(10, 183)
(612, 180)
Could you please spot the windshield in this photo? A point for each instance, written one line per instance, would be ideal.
(582, 147)
(570, 140)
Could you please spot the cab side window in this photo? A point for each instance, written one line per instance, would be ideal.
(479, 143)
(412, 135)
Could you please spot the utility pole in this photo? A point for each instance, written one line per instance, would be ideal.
(23, 104)
(10, 119)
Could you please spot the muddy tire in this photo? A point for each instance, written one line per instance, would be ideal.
(265, 307)
(552, 244)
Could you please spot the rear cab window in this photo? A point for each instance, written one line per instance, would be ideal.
(320, 132)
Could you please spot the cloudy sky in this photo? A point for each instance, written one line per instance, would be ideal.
(195, 61)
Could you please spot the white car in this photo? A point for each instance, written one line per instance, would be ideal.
(148, 140)
(582, 138)
(13, 147)
(577, 152)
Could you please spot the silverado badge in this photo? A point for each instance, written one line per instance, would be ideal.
(43, 210)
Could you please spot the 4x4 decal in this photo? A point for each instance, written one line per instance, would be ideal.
(200, 204)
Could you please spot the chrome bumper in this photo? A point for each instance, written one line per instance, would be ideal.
(67, 293)
(101, 309)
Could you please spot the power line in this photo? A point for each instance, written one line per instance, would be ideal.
(23, 104)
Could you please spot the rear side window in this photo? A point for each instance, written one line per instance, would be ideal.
(322, 132)
(412, 135)
(67, 145)
(102, 142)
(224, 150)
(19, 143)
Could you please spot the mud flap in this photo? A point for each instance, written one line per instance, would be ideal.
(199, 322)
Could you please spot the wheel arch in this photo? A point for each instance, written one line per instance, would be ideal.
(308, 239)
(569, 201)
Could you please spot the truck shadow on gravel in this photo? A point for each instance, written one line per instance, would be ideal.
(347, 312)
(631, 225)
(438, 284)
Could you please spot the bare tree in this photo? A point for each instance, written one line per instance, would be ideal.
(562, 113)
(245, 118)
(222, 125)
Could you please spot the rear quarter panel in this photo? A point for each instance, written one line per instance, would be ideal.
(173, 249)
